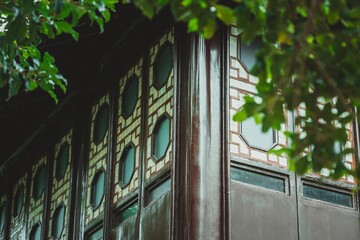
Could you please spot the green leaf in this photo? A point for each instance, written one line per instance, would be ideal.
(31, 85)
(333, 17)
(63, 26)
(339, 170)
(146, 7)
(106, 14)
(209, 29)
(58, 6)
(193, 25)
(225, 14)
(279, 152)
(66, 10)
(355, 13)
(240, 116)
(14, 85)
(302, 165)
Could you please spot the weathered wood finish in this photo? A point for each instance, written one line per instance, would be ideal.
(201, 188)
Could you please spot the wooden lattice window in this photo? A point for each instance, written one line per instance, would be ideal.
(62, 161)
(101, 123)
(127, 164)
(97, 189)
(58, 222)
(130, 96)
(161, 137)
(18, 201)
(39, 182)
(162, 65)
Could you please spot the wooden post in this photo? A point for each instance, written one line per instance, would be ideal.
(201, 163)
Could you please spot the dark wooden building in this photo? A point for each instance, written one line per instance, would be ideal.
(143, 146)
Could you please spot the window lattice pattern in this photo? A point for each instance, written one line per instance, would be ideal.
(128, 131)
(241, 84)
(97, 160)
(160, 102)
(60, 190)
(17, 222)
(36, 208)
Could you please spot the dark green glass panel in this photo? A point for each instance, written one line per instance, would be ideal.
(127, 165)
(130, 96)
(101, 123)
(162, 65)
(327, 195)
(97, 235)
(258, 179)
(39, 182)
(98, 189)
(58, 221)
(2, 217)
(248, 53)
(62, 161)
(35, 232)
(18, 201)
(129, 211)
(159, 190)
(254, 136)
(161, 137)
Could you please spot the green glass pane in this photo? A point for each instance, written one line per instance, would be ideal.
(127, 166)
(35, 232)
(129, 211)
(159, 190)
(39, 182)
(97, 235)
(248, 53)
(62, 161)
(162, 65)
(258, 179)
(255, 137)
(327, 195)
(101, 123)
(130, 96)
(2, 217)
(18, 201)
(161, 137)
(98, 189)
(58, 221)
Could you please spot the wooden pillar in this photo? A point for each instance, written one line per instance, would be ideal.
(201, 172)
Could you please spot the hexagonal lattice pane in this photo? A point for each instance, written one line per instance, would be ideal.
(161, 137)
(127, 164)
(97, 189)
(247, 52)
(58, 222)
(253, 135)
(2, 217)
(18, 201)
(101, 123)
(39, 182)
(130, 96)
(35, 233)
(62, 161)
(162, 65)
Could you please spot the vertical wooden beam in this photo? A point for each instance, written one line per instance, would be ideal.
(201, 166)
(110, 159)
(81, 146)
